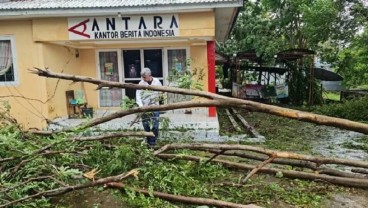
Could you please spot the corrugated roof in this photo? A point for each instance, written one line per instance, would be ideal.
(80, 4)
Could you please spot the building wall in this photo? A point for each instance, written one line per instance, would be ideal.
(194, 30)
(197, 24)
(198, 55)
(30, 112)
(88, 67)
(44, 42)
(191, 25)
(60, 59)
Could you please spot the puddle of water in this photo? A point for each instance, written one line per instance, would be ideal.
(347, 201)
(332, 144)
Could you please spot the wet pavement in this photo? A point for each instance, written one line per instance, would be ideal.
(334, 144)
(197, 126)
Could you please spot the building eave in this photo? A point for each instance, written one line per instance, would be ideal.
(76, 12)
(235, 17)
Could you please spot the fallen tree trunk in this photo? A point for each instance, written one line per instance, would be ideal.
(362, 171)
(278, 154)
(122, 113)
(246, 125)
(232, 120)
(66, 189)
(221, 101)
(291, 162)
(259, 157)
(185, 199)
(112, 136)
(349, 182)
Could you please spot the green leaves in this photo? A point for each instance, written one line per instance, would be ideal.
(127, 103)
(355, 109)
(352, 62)
(187, 79)
(270, 26)
(65, 172)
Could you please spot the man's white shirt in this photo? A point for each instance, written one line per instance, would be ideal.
(148, 97)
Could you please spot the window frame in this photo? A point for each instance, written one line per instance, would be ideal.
(98, 72)
(166, 58)
(15, 64)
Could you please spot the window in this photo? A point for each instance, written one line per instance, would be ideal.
(132, 63)
(8, 69)
(176, 60)
(136, 59)
(153, 60)
(109, 71)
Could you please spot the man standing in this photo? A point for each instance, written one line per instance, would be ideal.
(147, 97)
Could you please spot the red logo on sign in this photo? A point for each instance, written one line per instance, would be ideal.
(80, 32)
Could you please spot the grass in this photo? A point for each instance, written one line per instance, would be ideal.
(362, 87)
(328, 95)
(227, 128)
(281, 133)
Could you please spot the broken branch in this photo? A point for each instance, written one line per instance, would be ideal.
(291, 162)
(277, 154)
(63, 190)
(115, 135)
(214, 156)
(349, 182)
(257, 168)
(185, 199)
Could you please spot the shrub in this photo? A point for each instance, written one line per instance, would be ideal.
(356, 109)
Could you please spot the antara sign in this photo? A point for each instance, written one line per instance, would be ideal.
(149, 26)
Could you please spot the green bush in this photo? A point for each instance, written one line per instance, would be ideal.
(356, 109)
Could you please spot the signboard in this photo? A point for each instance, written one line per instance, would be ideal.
(282, 90)
(253, 90)
(107, 28)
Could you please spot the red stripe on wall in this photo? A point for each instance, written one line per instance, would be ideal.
(211, 73)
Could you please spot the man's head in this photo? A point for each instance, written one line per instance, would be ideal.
(146, 74)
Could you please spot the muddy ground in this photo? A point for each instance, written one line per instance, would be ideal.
(91, 198)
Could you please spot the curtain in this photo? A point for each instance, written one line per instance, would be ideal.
(6, 61)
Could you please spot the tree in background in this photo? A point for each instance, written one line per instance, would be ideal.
(352, 62)
(270, 26)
